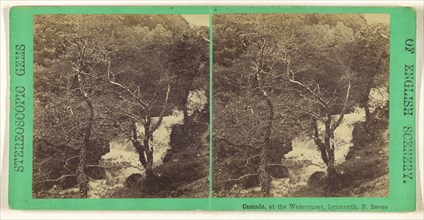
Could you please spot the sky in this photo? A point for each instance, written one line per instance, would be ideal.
(198, 20)
(377, 18)
(203, 20)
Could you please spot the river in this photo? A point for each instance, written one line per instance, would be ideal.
(122, 160)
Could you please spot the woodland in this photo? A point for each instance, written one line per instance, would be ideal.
(103, 83)
(300, 106)
(282, 82)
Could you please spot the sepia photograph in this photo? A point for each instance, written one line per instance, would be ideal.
(121, 106)
(301, 105)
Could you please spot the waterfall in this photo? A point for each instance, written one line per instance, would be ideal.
(305, 159)
(122, 160)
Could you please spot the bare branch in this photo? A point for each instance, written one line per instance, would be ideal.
(69, 159)
(163, 109)
(58, 179)
(235, 145)
(130, 115)
(310, 113)
(321, 101)
(152, 100)
(332, 98)
(251, 157)
(128, 91)
(343, 109)
(240, 178)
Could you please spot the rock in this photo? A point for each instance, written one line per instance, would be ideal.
(96, 149)
(186, 170)
(154, 184)
(346, 179)
(277, 171)
(351, 154)
(250, 181)
(96, 172)
(360, 135)
(135, 180)
(68, 182)
(278, 148)
(178, 138)
(338, 180)
(317, 179)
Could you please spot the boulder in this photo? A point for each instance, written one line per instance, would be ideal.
(178, 138)
(96, 172)
(68, 182)
(317, 179)
(250, 181)
(361, 135)
(338, 180)
(135, 180)
(351, 154)
(277, 171)
(184, 170)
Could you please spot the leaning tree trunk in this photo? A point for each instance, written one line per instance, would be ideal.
(145, 151)
(149, 156)
(320, 145)
(364, 103)
(264, 177)
(137, 145)
(329, 145)
(82, 178)
(184, 102)
(367, 113)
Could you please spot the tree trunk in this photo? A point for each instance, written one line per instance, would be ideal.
(364, 103)
(264, 177)
(184, 102)
(185, 114)
(329, 144)
(140, 150)
(367, 113)
(320, 145)
(149, 158)
(81, 176)
(147, 148)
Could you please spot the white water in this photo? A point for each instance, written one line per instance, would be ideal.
(122, 160)
(305, 159)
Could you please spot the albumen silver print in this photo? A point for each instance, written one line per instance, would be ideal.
(121, 106)
(300, 105)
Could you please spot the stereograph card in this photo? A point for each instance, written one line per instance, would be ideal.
(212, 108)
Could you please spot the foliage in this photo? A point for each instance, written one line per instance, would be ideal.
(97, 77)
(278, 75)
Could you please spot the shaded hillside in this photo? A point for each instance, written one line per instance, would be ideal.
(365, 173)
(185, 168)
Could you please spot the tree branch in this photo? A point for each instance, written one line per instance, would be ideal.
(342, 113)
(310, 113)
(251, 157)
(55, 180)
(240, 178)
(238, 146)
(163, 110)
(321, 101)
(69, 159)
(129, 92)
